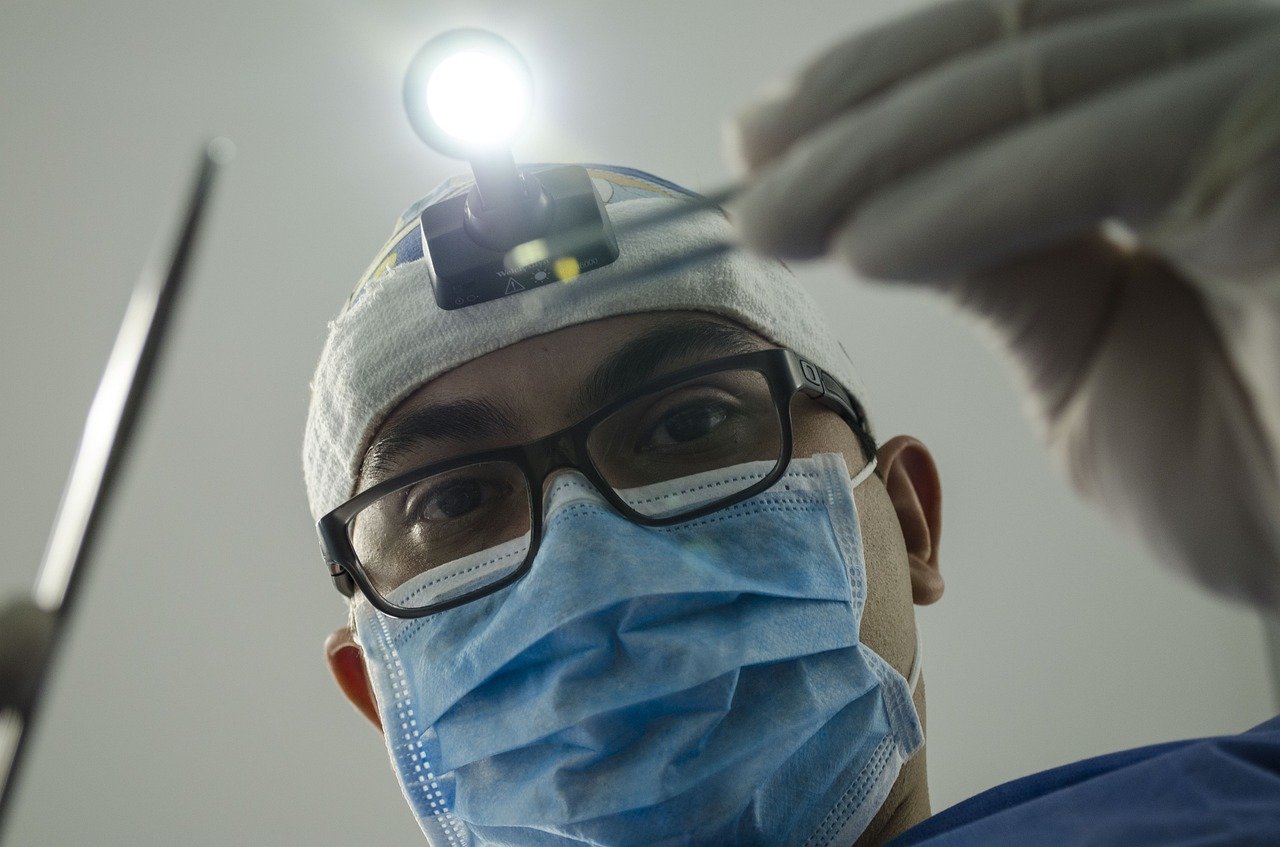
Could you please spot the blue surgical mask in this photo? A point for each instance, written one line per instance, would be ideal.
(697, 684)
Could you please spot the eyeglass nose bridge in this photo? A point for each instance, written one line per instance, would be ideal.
(560, 453)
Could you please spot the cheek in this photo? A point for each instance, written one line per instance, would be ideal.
(888, 621)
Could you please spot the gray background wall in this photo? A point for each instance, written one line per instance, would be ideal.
(192, 705)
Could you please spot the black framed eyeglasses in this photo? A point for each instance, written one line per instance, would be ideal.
(475, 522)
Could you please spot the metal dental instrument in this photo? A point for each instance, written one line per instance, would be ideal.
(31, 629)
(569, 243)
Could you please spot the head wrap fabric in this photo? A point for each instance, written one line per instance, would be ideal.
(391, 337)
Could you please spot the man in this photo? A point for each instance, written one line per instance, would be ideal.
(627, 566)
(573, 349)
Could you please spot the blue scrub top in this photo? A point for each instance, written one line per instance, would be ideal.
(1206, 791)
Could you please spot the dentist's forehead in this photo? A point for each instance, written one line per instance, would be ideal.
(542, 384)
(392, 336)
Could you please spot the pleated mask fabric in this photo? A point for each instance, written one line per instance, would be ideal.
(696, 684)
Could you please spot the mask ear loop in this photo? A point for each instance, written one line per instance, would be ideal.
(913, 676)
(862, 475)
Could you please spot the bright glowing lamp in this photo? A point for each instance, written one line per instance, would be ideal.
(467, 94)
(479, 98)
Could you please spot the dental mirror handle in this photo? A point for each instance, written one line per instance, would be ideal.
(32, 629)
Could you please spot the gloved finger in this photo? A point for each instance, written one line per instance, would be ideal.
(858, 68)
(873, 61)
(1224, 230)
(793, 207)
(1123, 155)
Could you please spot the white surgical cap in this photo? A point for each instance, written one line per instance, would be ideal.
(391, 337)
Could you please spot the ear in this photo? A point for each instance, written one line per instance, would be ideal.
(911, 478)
(346, 663)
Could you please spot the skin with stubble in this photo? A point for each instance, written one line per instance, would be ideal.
(540, 383)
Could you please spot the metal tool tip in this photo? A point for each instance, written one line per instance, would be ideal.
(221, 150)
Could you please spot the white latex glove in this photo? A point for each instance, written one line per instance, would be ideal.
(984, 148)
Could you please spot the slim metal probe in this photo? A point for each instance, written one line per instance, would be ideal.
(572, 242)
(31, 630)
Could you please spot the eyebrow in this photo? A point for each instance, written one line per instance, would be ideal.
(625, 368)
(456, 420)
(646, 355)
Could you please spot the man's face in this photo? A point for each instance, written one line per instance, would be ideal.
(540, 386)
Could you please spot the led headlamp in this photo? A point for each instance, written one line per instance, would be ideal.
(467, 93)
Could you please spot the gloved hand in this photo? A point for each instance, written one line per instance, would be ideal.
(1099, 181)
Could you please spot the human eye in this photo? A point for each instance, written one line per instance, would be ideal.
(689, 419)
(687, 423)
(709, 421)
(458, 498)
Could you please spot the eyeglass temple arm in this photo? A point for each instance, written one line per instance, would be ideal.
(827, 390)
